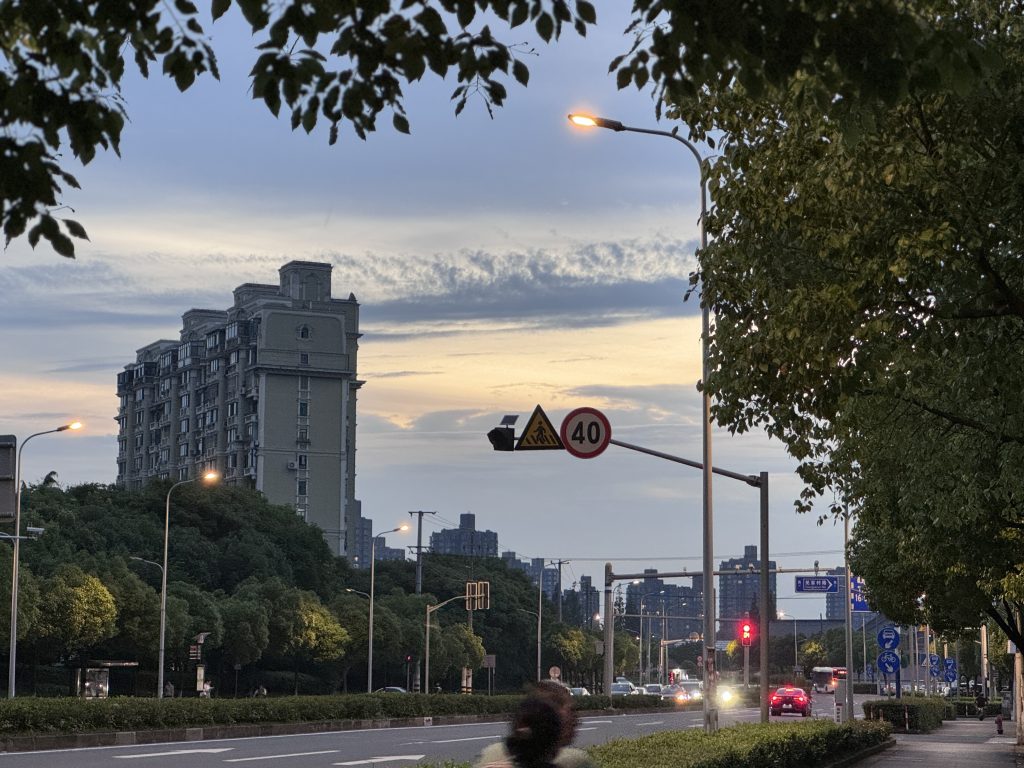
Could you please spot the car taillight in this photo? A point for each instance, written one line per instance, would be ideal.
(801, 699)
(776, 699)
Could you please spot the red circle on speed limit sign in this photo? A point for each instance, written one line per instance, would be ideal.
(586, 433)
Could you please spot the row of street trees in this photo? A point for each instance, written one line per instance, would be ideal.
(270, 597)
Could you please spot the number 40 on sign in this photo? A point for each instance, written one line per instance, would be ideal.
(585, 433)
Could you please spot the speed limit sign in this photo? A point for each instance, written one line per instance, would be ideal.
(586, 433)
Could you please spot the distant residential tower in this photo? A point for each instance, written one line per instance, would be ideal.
(263, 392)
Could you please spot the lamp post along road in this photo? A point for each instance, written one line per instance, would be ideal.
(369, 630)
(709, 698)
(16, 538)
(426, 653)
(208, 477)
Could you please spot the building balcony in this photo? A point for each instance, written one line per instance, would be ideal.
(250, 418)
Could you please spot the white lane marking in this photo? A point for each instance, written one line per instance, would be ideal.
(653, 722)
(587, 729)
(596, 722)
(174, 752)
(383, 759)
(274, 757)
(450, 741)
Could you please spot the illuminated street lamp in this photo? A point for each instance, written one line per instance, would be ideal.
(369, 631)
(16, 538)
(208, 477)
(710, 713)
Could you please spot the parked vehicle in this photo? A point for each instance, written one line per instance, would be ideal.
(790, 700)
(579, 692)
(653, 689)
(624, 689)
(391, 689)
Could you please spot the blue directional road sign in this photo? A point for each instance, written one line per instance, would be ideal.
(888, 638)
(888, 662)
(934, 670)
(950, 664)
(819, 584)
(857, 600)
(950, 675)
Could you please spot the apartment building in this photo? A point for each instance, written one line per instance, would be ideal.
(263, 393)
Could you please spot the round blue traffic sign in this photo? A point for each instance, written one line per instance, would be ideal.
(888, 662)
(933, 659)
(950, 675)
(933, 670)
(888, 638)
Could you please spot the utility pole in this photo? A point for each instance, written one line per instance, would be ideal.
(419, 584)
(419, 549)
(559, 563)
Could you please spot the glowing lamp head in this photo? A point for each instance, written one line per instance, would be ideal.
(211, 477)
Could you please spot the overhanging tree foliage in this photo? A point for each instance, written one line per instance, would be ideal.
(345, 61)
(868, 289)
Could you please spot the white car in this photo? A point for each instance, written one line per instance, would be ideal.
(624, 689)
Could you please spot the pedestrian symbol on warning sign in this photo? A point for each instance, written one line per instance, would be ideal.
(539, 434)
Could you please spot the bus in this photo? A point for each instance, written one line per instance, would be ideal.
(824, 679)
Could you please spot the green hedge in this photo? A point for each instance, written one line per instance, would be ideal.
(965, 707)
(807, 745)
(918, 714)
(67, 715)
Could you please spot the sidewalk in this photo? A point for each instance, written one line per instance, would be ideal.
(963, 743)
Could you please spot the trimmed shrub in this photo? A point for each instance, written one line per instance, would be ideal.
(914, 714)
(808, 745)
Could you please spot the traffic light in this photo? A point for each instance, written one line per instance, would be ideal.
(8, 489)
(746, 632)
(502, 438)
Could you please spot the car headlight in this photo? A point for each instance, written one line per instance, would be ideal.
(726, 694)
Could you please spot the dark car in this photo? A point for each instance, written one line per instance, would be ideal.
(793, 700)
(391, 689)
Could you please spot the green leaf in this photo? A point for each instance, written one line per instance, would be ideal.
(586, 11)
(521, 72)
(545, 27)
(219, 8)
(76, 229)
(401, 123)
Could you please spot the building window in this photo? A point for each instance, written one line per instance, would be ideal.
(215, 365)
(303, 435)
(303, 408)
(233, 357)
(140, 395)
(252, 356)
(302, 461)
(304, 332)
(183, 450)
(303, 358)
(232, 434)
(139, 417)
(301, 487)
(183, 426)
(231, 332)
(232, 409)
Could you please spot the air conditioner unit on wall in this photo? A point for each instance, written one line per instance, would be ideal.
(292, 465)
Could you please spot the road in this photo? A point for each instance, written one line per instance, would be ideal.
(385, 747)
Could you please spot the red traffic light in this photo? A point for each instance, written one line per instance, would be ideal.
(746, 632)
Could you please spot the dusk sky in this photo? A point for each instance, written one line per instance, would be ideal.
(499, 263)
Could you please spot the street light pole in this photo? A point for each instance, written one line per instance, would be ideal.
(208, 477)
(709, 698)
(369, 632)
(426, 654)
(12, 665)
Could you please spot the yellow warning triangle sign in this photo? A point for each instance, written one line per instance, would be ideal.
(539, 434)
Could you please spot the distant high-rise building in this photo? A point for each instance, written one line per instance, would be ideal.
(263, 392)
(739, 586)
(677, 604)
(465, 540)
(835, 607)
(537, 571)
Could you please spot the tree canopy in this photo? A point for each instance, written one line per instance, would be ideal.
(62, 63)
(868, 291)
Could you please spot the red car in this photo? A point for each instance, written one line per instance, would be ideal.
(789, 699)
